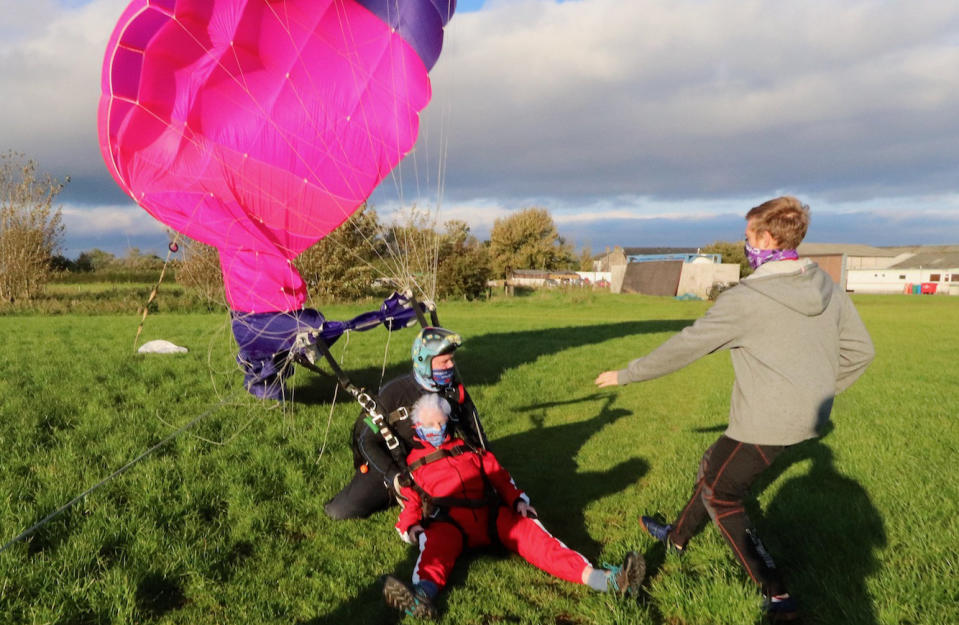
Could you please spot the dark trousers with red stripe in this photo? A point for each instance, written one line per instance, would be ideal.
(726, 472)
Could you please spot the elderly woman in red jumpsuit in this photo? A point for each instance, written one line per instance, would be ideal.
(460, 498)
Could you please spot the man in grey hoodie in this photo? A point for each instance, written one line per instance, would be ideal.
(796, 341)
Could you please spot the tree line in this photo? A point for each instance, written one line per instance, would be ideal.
(365, 256)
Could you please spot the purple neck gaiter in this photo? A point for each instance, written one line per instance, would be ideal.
(757, 257)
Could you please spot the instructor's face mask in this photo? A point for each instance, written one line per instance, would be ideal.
(443, 377)
(433, 436)
(757, 257)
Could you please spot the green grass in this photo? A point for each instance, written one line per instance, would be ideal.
(225, 524)
(94, 298)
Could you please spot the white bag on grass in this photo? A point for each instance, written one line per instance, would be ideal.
(159, 346)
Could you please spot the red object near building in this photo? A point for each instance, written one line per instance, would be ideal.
(928, 288)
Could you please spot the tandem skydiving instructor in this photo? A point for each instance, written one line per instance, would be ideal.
(378, 475)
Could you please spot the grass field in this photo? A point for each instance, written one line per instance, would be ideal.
(225, 524)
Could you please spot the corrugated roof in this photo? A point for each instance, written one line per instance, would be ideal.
(921, 249)
(653, 278)
(544, 273)
(850, 249)
(930, 260)
(636, 251)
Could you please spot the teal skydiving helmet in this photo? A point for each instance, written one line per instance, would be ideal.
(429, 343)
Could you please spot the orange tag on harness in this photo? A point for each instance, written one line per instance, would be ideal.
(364, 468)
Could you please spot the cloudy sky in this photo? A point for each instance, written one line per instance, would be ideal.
(649, 122)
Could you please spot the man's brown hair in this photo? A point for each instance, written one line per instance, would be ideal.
(785, 218)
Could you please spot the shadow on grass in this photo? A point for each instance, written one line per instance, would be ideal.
(822, 530)
(484, 357)
(543, 463)
(825, 533)
(711, 429)
(367, 607)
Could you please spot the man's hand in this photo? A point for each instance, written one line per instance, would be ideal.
(526, 510)
(414, 533)
(607, 378)
(399, 481)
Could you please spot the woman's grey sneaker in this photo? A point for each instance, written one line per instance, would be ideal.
(626, 579)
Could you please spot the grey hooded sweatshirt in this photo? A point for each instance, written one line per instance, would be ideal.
(795, 340)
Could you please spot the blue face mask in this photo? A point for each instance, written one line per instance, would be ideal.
(443, 377)
(433, 436)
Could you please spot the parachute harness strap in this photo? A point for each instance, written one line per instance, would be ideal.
(370, 407)
(438, 508)
(306, 348)
(418, 309)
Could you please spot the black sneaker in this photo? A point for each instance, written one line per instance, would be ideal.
(626, 579)
(780, 609)
(403, 598)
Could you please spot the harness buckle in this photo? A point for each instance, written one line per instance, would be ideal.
(304, 345)
(400, 414)
(391, 441)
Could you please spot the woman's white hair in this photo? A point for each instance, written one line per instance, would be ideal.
(430, 403)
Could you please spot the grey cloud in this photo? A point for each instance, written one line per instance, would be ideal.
(701, 99)
(50, 77)
(866, 227)
(578, 103)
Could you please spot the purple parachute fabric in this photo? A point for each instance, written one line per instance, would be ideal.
(265, 339)
(413, 20)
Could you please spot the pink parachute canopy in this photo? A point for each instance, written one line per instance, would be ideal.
(259, 126)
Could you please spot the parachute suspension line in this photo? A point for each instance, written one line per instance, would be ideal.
(329, 422)
(225, 328)
(336, 391)
(221, 443)
(398, 259)
(394, 262)
(171, 249)
(39, 524)
(386, 354)
(440, 191)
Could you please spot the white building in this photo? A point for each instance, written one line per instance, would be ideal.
(928, 272)
(866, 269)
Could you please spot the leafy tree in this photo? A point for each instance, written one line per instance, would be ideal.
(464, 264)
(135, 260)
(61, 264)
(586, 259)
(413, 251)
(95, 260)
(528, 240)
(200, 270)
(31, 229)
(442, 264)
(732, 252)
(345, 263)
